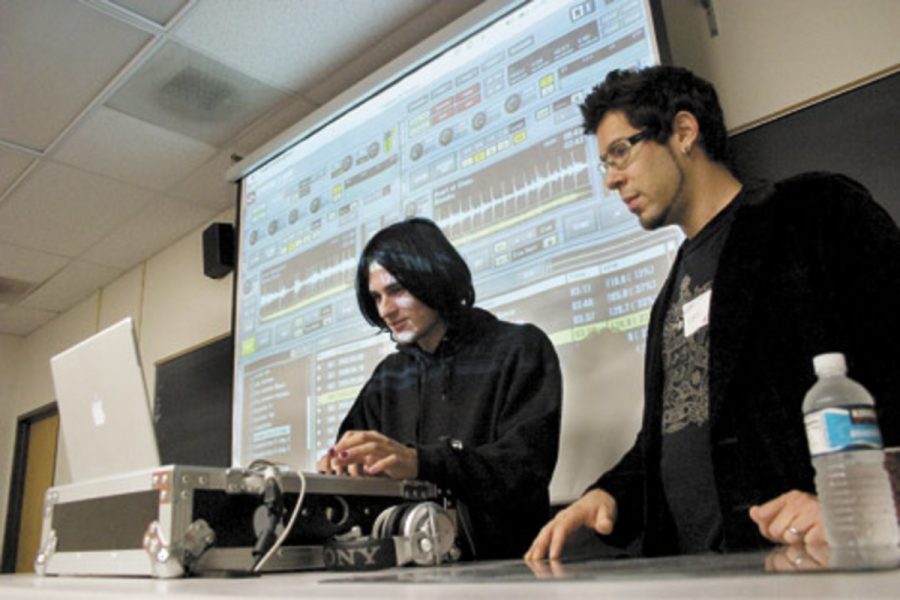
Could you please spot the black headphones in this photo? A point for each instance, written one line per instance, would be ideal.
(423, 533)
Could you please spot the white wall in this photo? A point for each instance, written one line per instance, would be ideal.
(182, 307)
(774, 54)
(174, 306)
(10, 358)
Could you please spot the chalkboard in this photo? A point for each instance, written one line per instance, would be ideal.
(856, 133)
(192, 406)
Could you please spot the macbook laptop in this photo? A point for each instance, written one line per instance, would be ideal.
(106, 420)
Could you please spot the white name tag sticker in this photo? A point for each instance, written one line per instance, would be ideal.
(696, 313)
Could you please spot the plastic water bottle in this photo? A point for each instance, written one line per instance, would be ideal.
(846, 450)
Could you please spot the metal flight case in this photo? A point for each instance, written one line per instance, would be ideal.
(176, 520)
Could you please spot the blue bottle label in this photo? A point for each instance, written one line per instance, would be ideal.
(837, 429)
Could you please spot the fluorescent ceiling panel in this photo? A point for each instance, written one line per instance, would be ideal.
(183, 91)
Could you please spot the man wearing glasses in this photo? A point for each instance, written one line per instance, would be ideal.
(770, 275)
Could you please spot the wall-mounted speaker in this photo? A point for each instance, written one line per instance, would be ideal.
(218, 250)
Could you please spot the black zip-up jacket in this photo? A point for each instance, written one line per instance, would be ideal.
(811, 265)
(495, 387)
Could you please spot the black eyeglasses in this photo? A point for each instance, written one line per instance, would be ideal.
(618, 154)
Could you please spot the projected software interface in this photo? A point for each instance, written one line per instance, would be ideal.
(485, 140)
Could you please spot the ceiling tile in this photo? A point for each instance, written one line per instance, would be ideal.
(389, 47)
(208, 185)
(119, 146)
(74, 283)
(246, 35)
(158, 11)
(157, 226)
(55, 56)
(28, 265)
(64, 211)
(184, 91)
(12, 164)
(19, 320)
(272, 125)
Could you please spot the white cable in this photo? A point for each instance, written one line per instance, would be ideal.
(288, 527)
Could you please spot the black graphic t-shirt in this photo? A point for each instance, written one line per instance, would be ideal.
(687, 473)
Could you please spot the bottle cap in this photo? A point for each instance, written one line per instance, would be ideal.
(832, 363)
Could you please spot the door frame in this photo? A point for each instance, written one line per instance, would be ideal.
(17, 483)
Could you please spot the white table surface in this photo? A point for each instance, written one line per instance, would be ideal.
(735, 576)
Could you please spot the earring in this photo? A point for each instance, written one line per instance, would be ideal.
(686, 149)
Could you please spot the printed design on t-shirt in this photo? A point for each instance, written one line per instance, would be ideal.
(686, 365)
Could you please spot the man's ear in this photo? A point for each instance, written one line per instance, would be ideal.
(685, 131)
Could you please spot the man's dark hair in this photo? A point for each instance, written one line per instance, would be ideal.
(651, 97)
(423, 260)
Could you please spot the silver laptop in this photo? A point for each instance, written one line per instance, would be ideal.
(106, 420)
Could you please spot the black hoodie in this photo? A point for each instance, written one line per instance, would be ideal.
(495, 387)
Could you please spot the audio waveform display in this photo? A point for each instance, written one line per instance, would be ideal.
(307, 277)
(536, 180)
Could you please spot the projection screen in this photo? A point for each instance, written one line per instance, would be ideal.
(478, 129)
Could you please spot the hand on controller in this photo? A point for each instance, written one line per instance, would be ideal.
(370, 453)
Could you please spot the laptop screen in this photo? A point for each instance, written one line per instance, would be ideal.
(107, 426)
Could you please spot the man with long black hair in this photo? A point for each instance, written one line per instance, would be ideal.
(468, 402)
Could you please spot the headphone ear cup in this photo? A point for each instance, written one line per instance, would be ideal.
(412, 516)
(378, 527)
(433, 522)
(395, 520)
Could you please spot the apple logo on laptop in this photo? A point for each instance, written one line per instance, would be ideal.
(97, 411)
